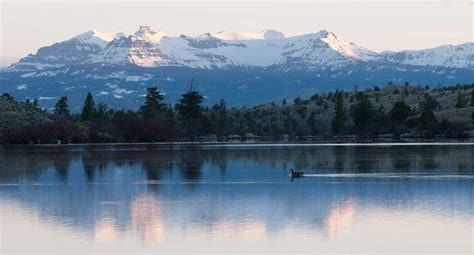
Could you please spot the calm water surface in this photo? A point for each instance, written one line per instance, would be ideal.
(238, 199)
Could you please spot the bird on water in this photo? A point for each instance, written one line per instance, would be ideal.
(295, 174)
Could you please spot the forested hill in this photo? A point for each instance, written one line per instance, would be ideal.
(19, 115)
(394, 112)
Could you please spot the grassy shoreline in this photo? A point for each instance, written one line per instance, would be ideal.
(266, 143)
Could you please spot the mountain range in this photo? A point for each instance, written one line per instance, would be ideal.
(243, 68)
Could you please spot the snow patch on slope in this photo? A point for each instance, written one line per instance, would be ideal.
(457, 56)
(96, 38)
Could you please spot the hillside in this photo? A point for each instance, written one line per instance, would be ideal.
(17, 115)
(314, 115)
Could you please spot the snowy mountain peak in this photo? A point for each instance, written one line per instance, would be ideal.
(268, 48)
(458, 56)
(95, 38)
(345, 48)
(148, 34)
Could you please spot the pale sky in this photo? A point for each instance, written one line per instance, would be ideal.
(377, 25)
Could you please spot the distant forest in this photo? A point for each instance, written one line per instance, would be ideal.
(392, 113)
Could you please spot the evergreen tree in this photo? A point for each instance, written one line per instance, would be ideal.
(88, 110)
(189, 106)
(102, 112)
(190, 113)
(337, 125)
(429, 104)
(460, 102)
(472, 97)
(362, 112)
(153, 105)
(221, 118)
(400, 112)
(8, 96)
(427, 121)
(61, 107)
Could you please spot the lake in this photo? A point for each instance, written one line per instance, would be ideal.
(237, 199)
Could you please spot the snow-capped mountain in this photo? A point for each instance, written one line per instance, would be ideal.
(74, 51)
(243, 68)
(457, 56)
(153, 48)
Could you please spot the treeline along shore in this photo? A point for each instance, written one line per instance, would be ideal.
(394, 113)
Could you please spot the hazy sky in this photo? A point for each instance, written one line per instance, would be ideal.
(377, 25)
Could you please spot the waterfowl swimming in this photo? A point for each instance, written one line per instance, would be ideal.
(295, 174)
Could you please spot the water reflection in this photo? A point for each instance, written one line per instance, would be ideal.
(340, 218)
(157, 194)
(146, 220)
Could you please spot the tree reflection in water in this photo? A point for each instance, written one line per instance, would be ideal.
(236, 191)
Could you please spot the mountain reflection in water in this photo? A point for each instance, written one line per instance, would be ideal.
(170, 196)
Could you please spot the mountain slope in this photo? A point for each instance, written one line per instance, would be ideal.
(243, 68)
(151, 48)
(455, 56)
(70, 52)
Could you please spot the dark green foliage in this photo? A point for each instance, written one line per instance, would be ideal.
(452, 130)
(88, 110)
(220, 118)
(362, 112)
(321, 117)
(337, 125)
(297, 100)
(190, 113)
(61, 107)
(427, 121)
(460, 101)
(315, 97)
(153, 105)
(472, 98)
(8, 96)
(189, 106)
(400, 112)
(429, 103)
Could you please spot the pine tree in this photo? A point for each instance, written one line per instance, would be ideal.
(189, 106)
(460, 102)
(61, 107)
(153, 105)
(472, 97)
(337, 125)
(221, 117)
(88, 110)
(101, 114)
(190, 113)
(362, 112)
(429, 104)
(400, 112)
